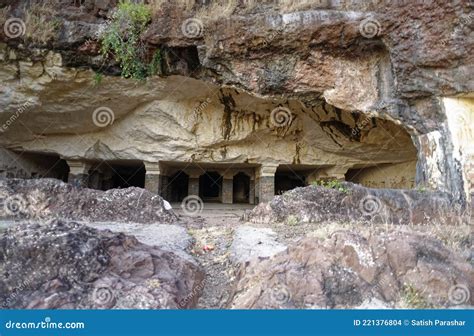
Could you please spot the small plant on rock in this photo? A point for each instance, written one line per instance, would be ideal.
(122, 39)
(332, 184)
(413, 298)
(97, 78)
(292, 220)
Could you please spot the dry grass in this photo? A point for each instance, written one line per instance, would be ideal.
(40, 21)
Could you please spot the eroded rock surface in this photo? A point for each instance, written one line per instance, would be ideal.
(69, 265)
(50, 198)
(394, 269)
(353, 203)
(168, 237)
(250, 242)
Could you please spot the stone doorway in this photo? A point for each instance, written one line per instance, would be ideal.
(210, 187)
(241, 188)
(107, 175)
(178, 186)
(288, 180)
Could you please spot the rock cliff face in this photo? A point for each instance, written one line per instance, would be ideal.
(358, 84)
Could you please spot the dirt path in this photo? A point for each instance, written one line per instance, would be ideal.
(213, 231)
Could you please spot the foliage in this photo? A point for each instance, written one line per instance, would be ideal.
(412, 298)
(98, 78)
(154, 68)
(122, 39)
(332, 184)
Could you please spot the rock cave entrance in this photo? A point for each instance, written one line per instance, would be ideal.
(178, 186)
(291, 176)
(210, 187)
(225, 183)
(116, 174)
(285, 181)
(241, 188)
(33, 165)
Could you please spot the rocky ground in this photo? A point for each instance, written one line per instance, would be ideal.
(62, 264)
(223, 257)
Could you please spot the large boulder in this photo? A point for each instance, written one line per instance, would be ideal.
(393, 269)
(51, 198)
(69, 265)
(352, 203)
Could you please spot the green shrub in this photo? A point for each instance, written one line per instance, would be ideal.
(122, 39)
(332, 184)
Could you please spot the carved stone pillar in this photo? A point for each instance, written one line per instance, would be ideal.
(266, 183)
(78, 173)
(153, 177)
